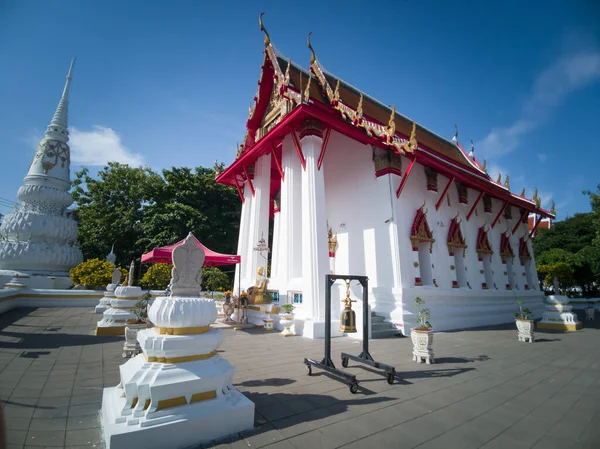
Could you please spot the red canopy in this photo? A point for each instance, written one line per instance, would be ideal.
(211, 259)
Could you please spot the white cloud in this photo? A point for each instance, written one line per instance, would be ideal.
(567, 74)
(99, 146)
(542, 157)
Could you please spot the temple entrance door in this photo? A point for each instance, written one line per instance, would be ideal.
(459, 265)
(425, 263)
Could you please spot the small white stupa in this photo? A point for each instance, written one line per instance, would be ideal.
(109, 294)
(179, 392)
(558, 314)
(120, 313)
(38, 239)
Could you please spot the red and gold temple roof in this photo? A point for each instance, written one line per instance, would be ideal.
(287, 95)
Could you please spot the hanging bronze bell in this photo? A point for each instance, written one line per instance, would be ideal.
(348, 317)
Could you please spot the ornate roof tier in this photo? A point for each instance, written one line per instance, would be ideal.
(289, 94)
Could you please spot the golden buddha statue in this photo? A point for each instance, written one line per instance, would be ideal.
(255, 293)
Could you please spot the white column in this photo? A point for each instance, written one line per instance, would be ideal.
(242, 249)
(275, 247)
(290, 224)
(315, 262)
(259, 218)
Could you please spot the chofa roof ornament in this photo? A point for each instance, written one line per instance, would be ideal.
(264, 30)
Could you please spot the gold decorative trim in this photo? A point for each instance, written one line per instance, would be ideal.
(173, 402)
(110, 331)
(561, 326)
(185, 358)
(204, 396)
(182, 330)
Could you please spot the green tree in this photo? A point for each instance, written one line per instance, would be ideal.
(190, 200)
(110, 209)
(571, 235)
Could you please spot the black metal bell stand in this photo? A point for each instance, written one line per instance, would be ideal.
(364, 357)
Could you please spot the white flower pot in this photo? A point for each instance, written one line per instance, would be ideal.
(589, 313)
(228, 309)
(287, 321)
(422, 345)
(131, 347)
(525, 328)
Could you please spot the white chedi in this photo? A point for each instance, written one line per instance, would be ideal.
(39, 237)
(179, 392)
(558, 314)
(109, 294)
(120, 313)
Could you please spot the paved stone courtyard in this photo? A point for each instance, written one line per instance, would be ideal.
(485, 391)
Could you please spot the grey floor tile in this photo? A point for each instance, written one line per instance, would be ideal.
(39, 424)
(51, 412)
(86, 437)
(45, 438)
(83, 422)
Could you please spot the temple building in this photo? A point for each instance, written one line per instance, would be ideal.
(38, 239)
(348, 185)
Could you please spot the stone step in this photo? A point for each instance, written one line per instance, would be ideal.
(380, 326)
(376, 319)
(387, 333)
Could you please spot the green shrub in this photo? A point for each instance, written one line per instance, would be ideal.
(93, 273)
(157, 277)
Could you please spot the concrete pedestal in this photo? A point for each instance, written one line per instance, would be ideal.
(178, 393)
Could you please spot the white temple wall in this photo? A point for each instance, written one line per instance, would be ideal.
(373, 238)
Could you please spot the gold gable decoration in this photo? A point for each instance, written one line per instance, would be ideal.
(385, 133)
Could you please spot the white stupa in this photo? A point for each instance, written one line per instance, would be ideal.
(179, 392)
(38, 239)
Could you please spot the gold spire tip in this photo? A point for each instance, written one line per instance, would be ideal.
(313, 58)
(264, 30)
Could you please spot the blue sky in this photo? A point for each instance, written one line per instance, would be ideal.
(169, 83)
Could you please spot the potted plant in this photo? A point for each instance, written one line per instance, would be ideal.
(422, 336)
(525, 324)
(228, 308)
(287, 319)
(140, 310)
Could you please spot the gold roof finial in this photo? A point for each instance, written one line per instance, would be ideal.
(507, 183)
(412, 144)
(238, 152)
(336, 92)
(499, 180)
(484, 168)
(392, 123)
(264, 30)
(307, 90)
(536, 198)
(553, 208)
(286, 77)
(313, 58)
(523, 192)
(359, 109)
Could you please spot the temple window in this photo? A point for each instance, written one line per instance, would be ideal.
(432, 181)
(425, 264)
(297, 298)
(456, 248)
(484, 254)
(525, 259)
(487, 204)
(386, 162)
(507, 255)
(463, 197)
(422, 240)
(508, 212)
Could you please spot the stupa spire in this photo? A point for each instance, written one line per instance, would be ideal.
(57, 129)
